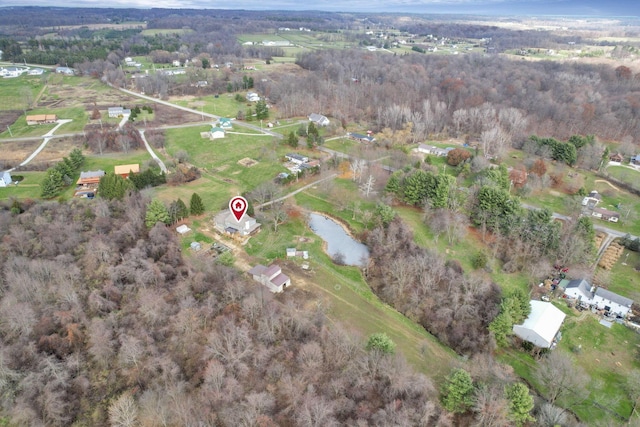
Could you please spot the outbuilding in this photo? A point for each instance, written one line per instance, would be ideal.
(542, 325)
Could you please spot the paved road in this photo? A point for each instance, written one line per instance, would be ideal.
(47, 137)
(157, 159)
(201, 113)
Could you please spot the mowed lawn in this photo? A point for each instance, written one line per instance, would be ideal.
(222, 176)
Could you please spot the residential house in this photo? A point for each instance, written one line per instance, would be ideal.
(611, 302)
(5, 179)
(216, 133)
(606, 214)
(225, 123)
(360, 137)
(296, 158)
(616, 157)
(35, 72)
(90, 178)
(176, 63)
(542, 326)
(319, 119)
(600, 298)
(635, 160)
(579, 289)
(592, 200)
(279, 43)
(65, 70)
(253, 97)
(271, 277)
(118, 112)
(125, 170)
(227, 224)
(41, 119)
(432, 150)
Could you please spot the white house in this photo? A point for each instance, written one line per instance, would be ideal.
(35, 72)
(226, 223)
(611, 302)
(319, 119)
(253, 97)
(115, 112)
(432, 150)
(542, 325)
(176, 63)
(65, 70)
(600, 298)
(296, 158)
(5, 179)
(271, 277)
(216, 133)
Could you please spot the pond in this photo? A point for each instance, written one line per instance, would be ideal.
(338, 241)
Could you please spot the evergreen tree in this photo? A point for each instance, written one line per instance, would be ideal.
(520, 404)
(52, 184)
(292, 140)
(196, 207)
(113, 186)
(262, 112)
(178, 210)
(156, 212)
(457, 392)
(77, 158)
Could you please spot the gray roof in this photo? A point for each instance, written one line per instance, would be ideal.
(583, 286)
(91, 174)
(613, 297)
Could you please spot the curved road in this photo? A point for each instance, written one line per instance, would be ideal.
(155, 157)
(47, 137)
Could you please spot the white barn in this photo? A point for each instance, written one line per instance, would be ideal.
(542, 325)
(5, 179)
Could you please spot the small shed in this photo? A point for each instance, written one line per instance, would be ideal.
(195, 246)
(291, 252)
(183, 229)
(216, 133)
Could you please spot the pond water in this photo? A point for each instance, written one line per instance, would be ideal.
(338, 241)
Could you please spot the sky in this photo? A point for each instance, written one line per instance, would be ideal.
(488, 7)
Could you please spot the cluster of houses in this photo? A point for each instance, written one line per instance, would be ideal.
(603, 300)
(87, 184)
(218, 129)
(297, 163)
(589, 205)
(542, 326)
(9, 72)
(619, 158)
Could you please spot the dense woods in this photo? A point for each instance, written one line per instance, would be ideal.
(103, 322)
(431, 291)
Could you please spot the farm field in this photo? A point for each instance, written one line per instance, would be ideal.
(625, 174)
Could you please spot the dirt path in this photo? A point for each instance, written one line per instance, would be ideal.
(608, 183)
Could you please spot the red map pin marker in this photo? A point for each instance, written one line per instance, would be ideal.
(238, 207)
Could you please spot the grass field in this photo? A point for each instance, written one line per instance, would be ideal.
(348, 299)
(165, 31)
(606, 355)
(224, 105)
(13, 92)
(625, 174)
(625, 279)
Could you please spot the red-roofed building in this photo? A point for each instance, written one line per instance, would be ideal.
(271, 277)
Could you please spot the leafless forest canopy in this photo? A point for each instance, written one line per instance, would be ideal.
(102, 320)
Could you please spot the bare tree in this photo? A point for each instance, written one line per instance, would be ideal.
(562, 379)
(123, 412)
(368, 188)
